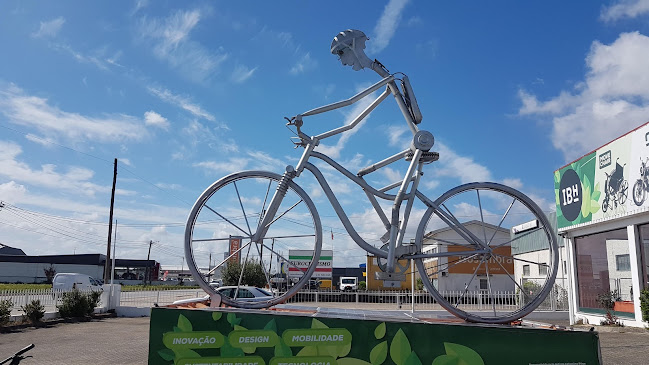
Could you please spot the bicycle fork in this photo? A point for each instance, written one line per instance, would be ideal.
(422, 142)
(275, 202)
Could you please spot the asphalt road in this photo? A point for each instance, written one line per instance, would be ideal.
(126, 341)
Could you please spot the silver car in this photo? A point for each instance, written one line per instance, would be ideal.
(246, 293)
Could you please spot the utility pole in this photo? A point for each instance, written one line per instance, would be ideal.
(107, 274)
(148, 269)
(209, 267)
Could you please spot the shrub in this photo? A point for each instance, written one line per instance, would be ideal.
(77, 304)
(5, 311)
(607, 301)
(644, 304)
(34, 311)
(362, 285)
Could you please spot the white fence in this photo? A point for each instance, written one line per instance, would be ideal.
(49, 298)
(479, 300)
(472, 300)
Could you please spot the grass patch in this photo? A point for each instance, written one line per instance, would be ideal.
(24, 286)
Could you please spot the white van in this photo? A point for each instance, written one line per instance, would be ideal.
(69, 281)
(348, 283)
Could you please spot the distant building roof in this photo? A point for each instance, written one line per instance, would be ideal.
(83, 259)
(7, 250)
(535, 241)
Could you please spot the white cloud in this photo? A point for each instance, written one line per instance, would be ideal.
(181, 102)
(387, 25)
(304, 64)
(613, 98)
(233, 164)
(200, 134)
(242, 73)
(75, 179)
(49, 29)
(461, 167)
(625, 9)
(139, 4)
(397, 138)
(173, 44)
(32, 111)
(156, 120)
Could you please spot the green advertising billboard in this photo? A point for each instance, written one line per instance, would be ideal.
(609, 183)
(238, 337)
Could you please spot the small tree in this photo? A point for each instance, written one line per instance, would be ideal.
(607, 301)
(419, 284)
(34, 311)
(49, 273)
(5, 311)
(362, 285)
(253, 274)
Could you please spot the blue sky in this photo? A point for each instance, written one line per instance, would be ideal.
(182, 93)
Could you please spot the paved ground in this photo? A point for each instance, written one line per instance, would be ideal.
(125, 341)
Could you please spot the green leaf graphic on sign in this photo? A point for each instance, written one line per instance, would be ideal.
(596, 193)
(400, 348)
(228, 351)
(216, 315)
(458, 355)
(308, 351)
(585, 194)
(281, 350)
(233, 320)
(167, 354)
(351, 361)
(184, 324)
(379, 353)
(413, 359)
(176, 329)
(379, 332)
(317, 324)
(271, 326)
(186, 354)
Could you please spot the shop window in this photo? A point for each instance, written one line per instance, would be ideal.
(598, 258)
(526, 270)
(644, 247)
(483, 284)
(543, 270)
(622, 263)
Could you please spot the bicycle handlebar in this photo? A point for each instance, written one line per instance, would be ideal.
(17, 355)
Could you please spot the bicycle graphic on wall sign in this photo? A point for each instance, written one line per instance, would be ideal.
(615, 188)
(641, 185)
(274, 214)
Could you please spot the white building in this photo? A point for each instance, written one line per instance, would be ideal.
(603, 217)
(448, 275)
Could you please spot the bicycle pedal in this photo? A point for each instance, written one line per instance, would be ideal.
(425, 156)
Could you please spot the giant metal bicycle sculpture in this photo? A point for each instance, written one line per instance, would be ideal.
(271, 214)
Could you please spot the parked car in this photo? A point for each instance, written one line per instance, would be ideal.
(216, 283)
(69, 281)
(246, 293)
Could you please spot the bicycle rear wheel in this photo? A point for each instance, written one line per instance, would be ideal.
(472, 261)
(222, 224)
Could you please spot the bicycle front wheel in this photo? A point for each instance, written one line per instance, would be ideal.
(219, 239)
(487, 253)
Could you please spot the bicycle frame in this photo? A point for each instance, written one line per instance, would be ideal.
(407, 191)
